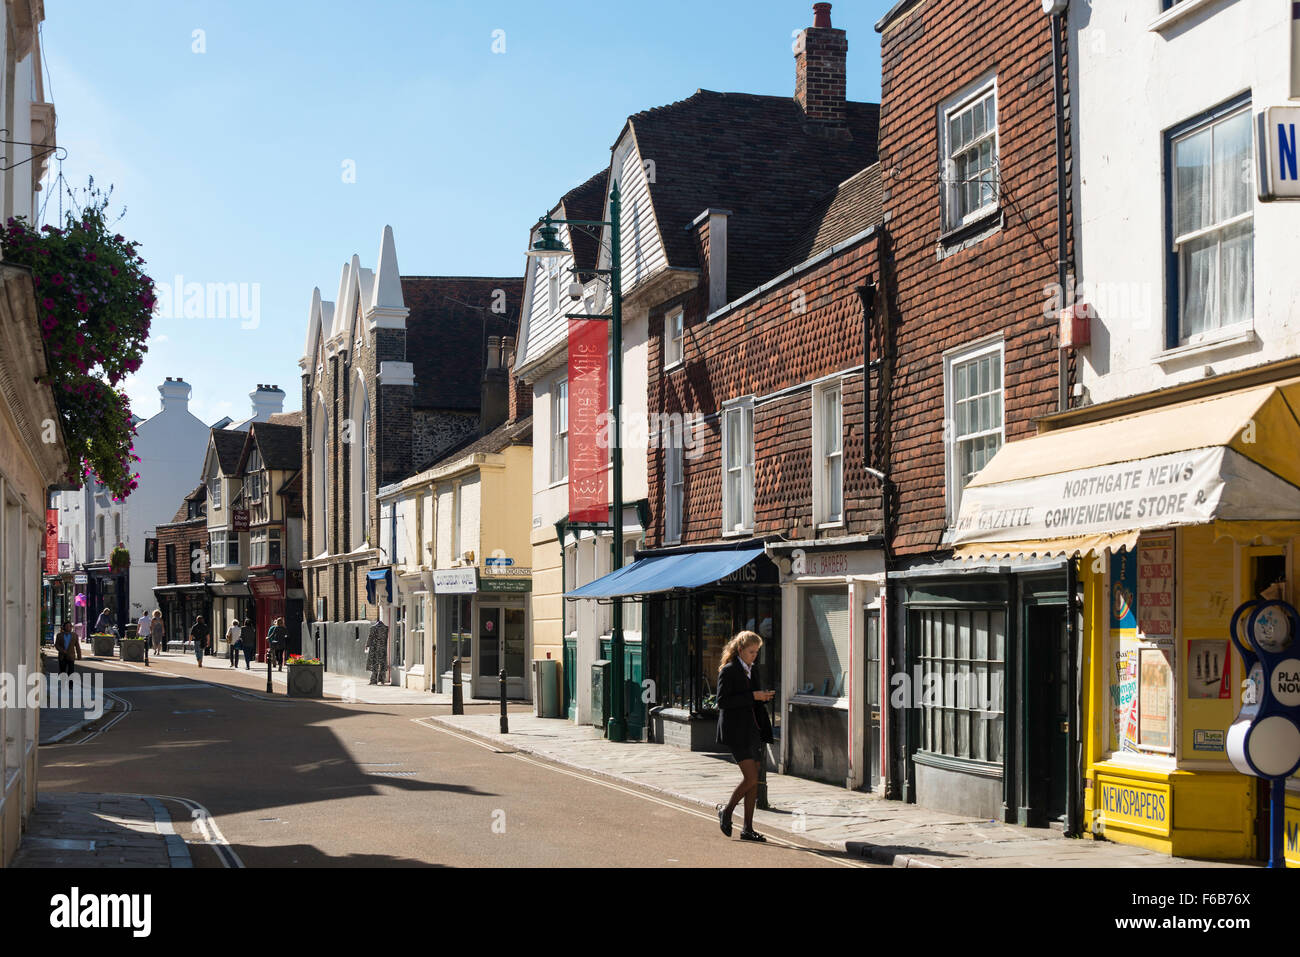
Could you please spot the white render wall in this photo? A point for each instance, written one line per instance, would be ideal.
(1132, 83)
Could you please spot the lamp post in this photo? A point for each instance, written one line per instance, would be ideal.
(549, 245)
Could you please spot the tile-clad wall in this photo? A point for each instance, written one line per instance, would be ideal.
(808, 327)
(947, 296)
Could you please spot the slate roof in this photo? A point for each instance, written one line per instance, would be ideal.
(754, 155)
(446, 335)
(280, 445)
(585, 202)
(519, 432)
(230, 445)
(845, 211)
(286, 418)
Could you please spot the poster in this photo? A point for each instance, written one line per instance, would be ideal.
(1122, 611)
(1155, 679)
(1155, 586)
(1208, 668)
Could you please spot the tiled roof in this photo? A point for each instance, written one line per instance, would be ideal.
(182, 513)
(585, 202)
(498, 440)
(280, 445)
(845, 211)
(446, 335)
(230, 444)
(752, 155)
(286, 418)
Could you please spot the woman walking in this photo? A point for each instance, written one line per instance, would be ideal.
(200, 635)
(158, 632)
(743, 725)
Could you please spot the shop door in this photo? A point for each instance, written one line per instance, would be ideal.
(873, 743)
(1048, 731)
(500, 640)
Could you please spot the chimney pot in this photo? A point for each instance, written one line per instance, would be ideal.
(822, 15)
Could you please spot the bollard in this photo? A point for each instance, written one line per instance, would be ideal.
(505, 722)
(457, 695)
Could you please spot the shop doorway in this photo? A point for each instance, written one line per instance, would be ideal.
(1266, 577)
(872, 780)
(1048, 725)
(499, 638)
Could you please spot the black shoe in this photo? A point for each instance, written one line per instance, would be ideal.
(750, 835)
(724, 820)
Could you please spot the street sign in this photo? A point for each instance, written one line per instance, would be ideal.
(455, 581)
(1278, 148)
(239, 519)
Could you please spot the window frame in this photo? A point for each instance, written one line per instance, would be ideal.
(674, 337)
(950, 221)
(560, 436)
(1174, 339)
(994, 668)
(820, 479)
(970, 352)
(741, 410)
(674, 493)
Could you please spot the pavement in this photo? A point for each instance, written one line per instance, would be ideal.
(884, 831)
(80, 829)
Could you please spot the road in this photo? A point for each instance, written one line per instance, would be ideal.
(318, 784)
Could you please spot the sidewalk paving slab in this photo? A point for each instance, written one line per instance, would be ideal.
(885, 831)
(82, 829)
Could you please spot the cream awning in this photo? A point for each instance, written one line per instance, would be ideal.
(1232, 460)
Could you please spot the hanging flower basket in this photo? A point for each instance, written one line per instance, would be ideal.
(120, 559)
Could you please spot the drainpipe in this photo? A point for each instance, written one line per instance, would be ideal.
(1057, 8)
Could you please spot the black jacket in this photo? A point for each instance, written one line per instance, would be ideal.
(741, 719)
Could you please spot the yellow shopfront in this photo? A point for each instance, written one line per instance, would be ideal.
(1177, 515)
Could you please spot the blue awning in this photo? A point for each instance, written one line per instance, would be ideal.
(384, 575)
(663, 573)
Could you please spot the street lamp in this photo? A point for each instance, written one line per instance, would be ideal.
(548, 246)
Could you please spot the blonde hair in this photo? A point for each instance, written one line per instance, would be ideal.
(157, 613)
(734, 647)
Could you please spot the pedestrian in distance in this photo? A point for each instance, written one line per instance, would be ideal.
(275, 640)
(143, 629)
(234, 642)
(158, 631)
(67, 648)
(104, 624)
(743, 724)
(202, 638)
(247, 634)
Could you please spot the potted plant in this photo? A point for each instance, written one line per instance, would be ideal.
(120, 558)
(133, 648)
(101, 645)
(306, 677)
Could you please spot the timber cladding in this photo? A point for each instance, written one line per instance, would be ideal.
(996, 277)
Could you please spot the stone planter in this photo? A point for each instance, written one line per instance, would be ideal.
(101, 646)
(132, 649)
(678, 728)
(305, 681)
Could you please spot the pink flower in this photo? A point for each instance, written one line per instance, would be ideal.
(48, 323)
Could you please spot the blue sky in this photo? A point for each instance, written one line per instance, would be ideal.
(231, 161)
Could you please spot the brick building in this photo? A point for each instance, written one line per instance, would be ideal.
(181, 594)
(391, 380)
(968, 146)
(755, 289)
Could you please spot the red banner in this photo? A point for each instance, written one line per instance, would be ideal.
(51, 541)
(588, 434)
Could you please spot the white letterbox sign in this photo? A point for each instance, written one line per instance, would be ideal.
(1278, 148)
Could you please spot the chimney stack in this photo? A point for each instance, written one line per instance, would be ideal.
(494, 405)
(820, 55)
(175, 394)
(267, 400)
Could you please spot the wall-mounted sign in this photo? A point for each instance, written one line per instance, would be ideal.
(588, 408)
(506, 584)
(1155, 585)
(1138, 806)
(1278, 149)
(239, 519)
(1206, 739)
(455, 581)
(151, 550)
(51, 541)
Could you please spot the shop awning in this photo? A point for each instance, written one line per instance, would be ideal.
(1231, 460)
(373, 578)
(665, 573)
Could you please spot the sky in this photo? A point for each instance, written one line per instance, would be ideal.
(262, 144)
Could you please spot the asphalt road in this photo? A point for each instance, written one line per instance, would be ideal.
(292, 783)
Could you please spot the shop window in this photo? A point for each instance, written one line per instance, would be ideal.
(460, 631)
(963, 657)
(824, 642)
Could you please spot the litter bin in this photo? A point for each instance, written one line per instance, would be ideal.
(546, 688)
